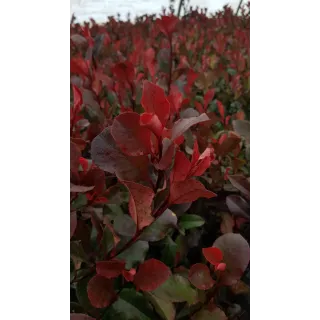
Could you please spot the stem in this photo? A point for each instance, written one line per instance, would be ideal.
(180, 7)
(240, 3)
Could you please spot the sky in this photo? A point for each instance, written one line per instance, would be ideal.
(100, 9)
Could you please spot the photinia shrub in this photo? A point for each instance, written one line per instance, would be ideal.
(159, 124)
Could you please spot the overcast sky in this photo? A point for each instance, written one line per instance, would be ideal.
(100, 9)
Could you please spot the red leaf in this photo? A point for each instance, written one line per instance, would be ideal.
(129, 275)
(77, 99)
(151, 274)
(203, 162)
(188, 191)
(140, 203)
(74, 156)
(199, 276)
(195, 154)
(79, 66)
(175, 99)
(110, 269)
(213, 255)
(182, 125)
(84, 164)
(81, 144)
(199, 107)
(220, 108)
(124, 71)
(152, 122)
(154, 101)
(167, 24)
(100, 291)
(168, 149)
(208, 98)
(95, 177)
(181, 167)
(130, 136)
(109, 158)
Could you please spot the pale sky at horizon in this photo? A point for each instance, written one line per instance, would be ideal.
(100, 9)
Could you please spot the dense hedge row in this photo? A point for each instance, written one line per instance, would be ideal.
(160, 145)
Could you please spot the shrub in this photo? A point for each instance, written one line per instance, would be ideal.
(157, 122)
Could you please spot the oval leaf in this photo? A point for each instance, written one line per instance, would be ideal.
(140, 203)
(110, 269)
(164, 308)
(199, 276)
(205, 314)
(100, 291)
(189, 221)
(159, 228)
(151, 274)
(213, 255)
(236, 255)
(132, 138)
(134, 254)
(182, 125)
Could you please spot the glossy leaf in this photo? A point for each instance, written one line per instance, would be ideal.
(177, 289)
(199, 276)
(129, 274)
(154, 101)
(160, 227)
(135, 254)
(100, 291)
(169, 251)
(140, 203)
(208, 98)
(236, 255)
(189, 221)
(188, 191)
(77, 188)
(124, 225)
(182, 125)
(213, 255)
(132, 138)
(110, 269)
(152, 122)
(73, 223)
(181, 167)
(205, 314)
(151, 274)
(168, 150)
(164, 308)
(107, 156)
(130, 305)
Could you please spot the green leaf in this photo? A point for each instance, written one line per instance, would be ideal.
(77, 252)
(124, 225)
(177, 289)
(231, 71)
(159, 228)
(165, 309)
(107, 241)
(131, 305)
(134, 254)
(168, 253)
(79, 202)
(189, 221)
(204, 314)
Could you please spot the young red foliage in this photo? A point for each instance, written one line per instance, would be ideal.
(110, 269)
(154, 101)
(213, 255)
(141, 198)
(199, 276)
(151, 274)
(167, 25)
(188, 191)
(129, 274)
(132, 138)
(100, 291)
